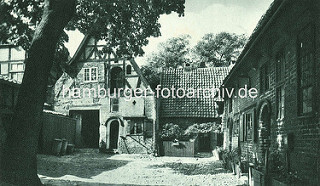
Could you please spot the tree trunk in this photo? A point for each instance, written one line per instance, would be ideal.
(18, 162)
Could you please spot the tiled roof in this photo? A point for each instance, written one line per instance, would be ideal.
(196, 79)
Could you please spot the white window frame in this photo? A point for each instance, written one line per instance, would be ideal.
(90, 74)
(18, 64)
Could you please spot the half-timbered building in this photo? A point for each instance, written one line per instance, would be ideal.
(95, 88)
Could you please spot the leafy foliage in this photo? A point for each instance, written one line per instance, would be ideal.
(213, 50)
(171, 131)
(171, 53)
(221, 49)
(124, 24)
(152, 75)
(202, 128)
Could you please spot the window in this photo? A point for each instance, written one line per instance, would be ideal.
(17, 76)
(136, 128)
(305, 71)
(4, 68)
(5, 54)
(128, 69)
(91, 74)
(114, 105)
(8, 53)
(116, 78)
(139, 126)
(280, 102)
(280, 77)
(247, 126)
(16, 67)
(264, 78)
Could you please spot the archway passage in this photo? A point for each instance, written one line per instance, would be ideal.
(114, 134)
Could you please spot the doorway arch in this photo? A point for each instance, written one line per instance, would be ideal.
(264, 128)
(113, 133)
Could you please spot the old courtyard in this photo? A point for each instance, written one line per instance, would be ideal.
(88, 167)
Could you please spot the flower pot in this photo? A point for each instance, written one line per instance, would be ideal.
(56, 147)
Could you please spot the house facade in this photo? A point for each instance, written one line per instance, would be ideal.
(281, 61)
(95, 89)
(12, 62)
(201, 107)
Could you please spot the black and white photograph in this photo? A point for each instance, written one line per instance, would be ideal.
(160, 92)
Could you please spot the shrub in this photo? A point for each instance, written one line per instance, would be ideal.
(171, 131)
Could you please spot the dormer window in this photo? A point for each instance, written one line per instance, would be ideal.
(91, 74)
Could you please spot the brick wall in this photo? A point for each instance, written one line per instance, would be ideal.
(303, 132)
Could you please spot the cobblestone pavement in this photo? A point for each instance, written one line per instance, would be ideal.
(92, 168)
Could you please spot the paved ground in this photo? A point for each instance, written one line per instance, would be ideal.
(92, 168)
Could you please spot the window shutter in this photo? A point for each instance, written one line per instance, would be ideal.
(148, 128)
(241, 128)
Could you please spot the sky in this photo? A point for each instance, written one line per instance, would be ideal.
(201, 17)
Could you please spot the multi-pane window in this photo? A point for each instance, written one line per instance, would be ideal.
(280, 77)
(264, 78)
(91, 74)
(249, 125)
(15, 67)
(136, 128)
(246, 126)
(139, 126)
(306, 70)
(11, 61)
(114, 104)
(280, 102)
